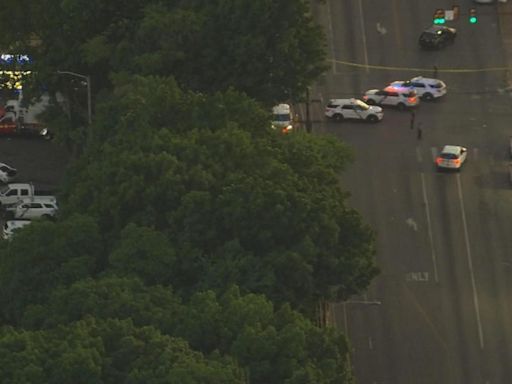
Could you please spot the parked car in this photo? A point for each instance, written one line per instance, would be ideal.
(427, 88)
(340, 109)
(7, 173)
(437, 36)
(452, 157)
(15, 192)
(401, 98)
(33, 209)
(11, 226)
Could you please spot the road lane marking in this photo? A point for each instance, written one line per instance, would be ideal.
(370, 344)
(429, 227)
(411, 223)
(470, 263)
(417, 276)
(363, 35)
(418, 155)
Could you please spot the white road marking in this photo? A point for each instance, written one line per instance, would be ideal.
(363, 35)
(411, 223)
(382, 30)
(429, 228)
(370, 344)
(470, 264)
(418, 155)
(417, 276)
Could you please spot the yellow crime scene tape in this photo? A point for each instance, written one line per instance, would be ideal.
(444, 70)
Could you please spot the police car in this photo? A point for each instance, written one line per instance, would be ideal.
(340, 109)
(399, 97)
(427, 88)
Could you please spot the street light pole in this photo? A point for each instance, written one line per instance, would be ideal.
(88, 81)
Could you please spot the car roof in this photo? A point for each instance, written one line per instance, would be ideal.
(342, 101)
(281, 109)
(428, 80)
(455, 149)
(397, 88)
(435, 28)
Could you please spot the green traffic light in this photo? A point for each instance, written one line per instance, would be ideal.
(439, 21)
(473, 20)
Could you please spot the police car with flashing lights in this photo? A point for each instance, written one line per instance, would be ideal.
(355, 109)
(401, 98)
(427, 88)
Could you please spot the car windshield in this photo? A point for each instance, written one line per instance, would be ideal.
(4, 189)
(449, 156)
(362, 105)
(437, 85)
(428, 36)
(281, 117)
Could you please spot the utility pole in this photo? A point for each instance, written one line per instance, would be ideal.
(309, 126)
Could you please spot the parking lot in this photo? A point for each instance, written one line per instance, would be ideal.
(38, 161)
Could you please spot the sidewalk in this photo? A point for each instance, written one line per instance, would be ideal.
(505, 24)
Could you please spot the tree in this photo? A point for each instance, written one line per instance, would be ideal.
(43, 256)
(270, 50)
(110, 352)
(273, 202)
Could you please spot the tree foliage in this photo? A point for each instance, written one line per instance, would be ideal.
(108, 351)
(263, 211)
(267, 49)
(44, 256)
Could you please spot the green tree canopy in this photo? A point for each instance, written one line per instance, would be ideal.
(267, 49)
(263, 211)
(44, 256)
(109, 352)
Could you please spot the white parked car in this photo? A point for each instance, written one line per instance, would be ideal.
(426, 88)
(340, 109)
(33, 209)
(12, 225)
(451, 157)
(402, 98)
(7, 173)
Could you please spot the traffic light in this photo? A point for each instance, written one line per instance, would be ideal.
(439, 16)
(473, 19)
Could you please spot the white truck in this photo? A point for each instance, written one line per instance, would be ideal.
(13, 193)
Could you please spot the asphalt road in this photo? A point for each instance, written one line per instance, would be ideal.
(38, 161)
(444, 239)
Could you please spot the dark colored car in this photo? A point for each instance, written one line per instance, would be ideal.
(437, 36)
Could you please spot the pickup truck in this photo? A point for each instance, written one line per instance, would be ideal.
(14, 192)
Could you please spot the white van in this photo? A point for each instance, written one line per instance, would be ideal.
(282, 118)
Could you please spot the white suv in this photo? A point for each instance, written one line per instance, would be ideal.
(44, 208)
(426, 88)
(451, 157)
(340, 109)
(401, 98)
